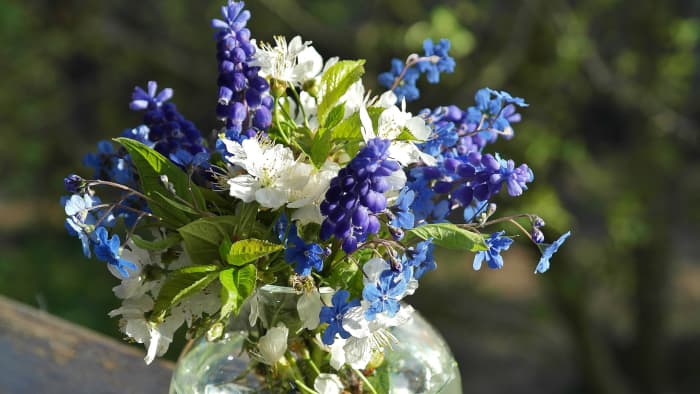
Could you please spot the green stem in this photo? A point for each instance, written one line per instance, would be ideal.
(365, 381)
(301, 106)
(304, 388)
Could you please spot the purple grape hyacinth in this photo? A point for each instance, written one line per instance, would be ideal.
(356, 196)
(244, 102)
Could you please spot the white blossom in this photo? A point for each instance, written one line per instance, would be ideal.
(267, 166)
(307, 199)
(295, 62)
(392, 122)
(328, 383)
(136, 284)
(273, 344)
(133, 323)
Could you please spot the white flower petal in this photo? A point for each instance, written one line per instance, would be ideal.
(358, 352)
(373, 268)
(387, 99)
(327, 383)
(310, 64)
(355, 323)
(270, 198)
(396, 180)
(309, 308)
(416, 125)
(273, 344)
(243, 187)
(337, 354)
(367, 128)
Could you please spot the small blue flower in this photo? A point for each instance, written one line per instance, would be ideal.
(384, 296)
(506, 98)
(496, 244)
(107, 250)
(139, 134)
(421, 258)
(80, 218)
(404, 217)
(548, 252)
(333, 315)
(306, 256)
(406, 88)
(442, 63)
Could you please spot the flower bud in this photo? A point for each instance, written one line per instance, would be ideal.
(538, 222)
(73, 183)
(537, 235)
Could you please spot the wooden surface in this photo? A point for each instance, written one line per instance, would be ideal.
(40, 353)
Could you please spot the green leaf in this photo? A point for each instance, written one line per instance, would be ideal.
(349, 128)
(161, 244)
(180, 285)
(380, 379)
(320, 147)
(151, 165)
(335, 82)
(335, 116)
(341, 274)
(237, 284)
(202, 237)
(176, 204)
(248, 250)
(450, 236)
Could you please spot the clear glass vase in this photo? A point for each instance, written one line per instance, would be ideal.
(419, 362)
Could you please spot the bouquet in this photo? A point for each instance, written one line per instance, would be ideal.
(308, 181)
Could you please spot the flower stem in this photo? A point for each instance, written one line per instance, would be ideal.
(410, 62)
(365, 381)
(304, 388)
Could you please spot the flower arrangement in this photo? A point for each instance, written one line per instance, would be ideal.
(309, 181)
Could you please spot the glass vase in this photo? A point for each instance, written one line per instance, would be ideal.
(419, 362)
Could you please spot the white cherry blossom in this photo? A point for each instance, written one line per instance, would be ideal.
(295, 62)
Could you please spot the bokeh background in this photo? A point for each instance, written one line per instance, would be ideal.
(611, 134)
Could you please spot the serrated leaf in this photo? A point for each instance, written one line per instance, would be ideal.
(202, 237)
(180, 285)
(450, 236)
(237, 284)
(335, 116)
(335, 82)
(320, 147)
(349, 128)
(151, 165)
(161, 244)
(248, 250)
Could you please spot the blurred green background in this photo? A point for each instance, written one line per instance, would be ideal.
(611, 134)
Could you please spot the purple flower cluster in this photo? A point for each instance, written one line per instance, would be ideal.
(464, 176)
(356, 196)
(168, 131)
(244, 102)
